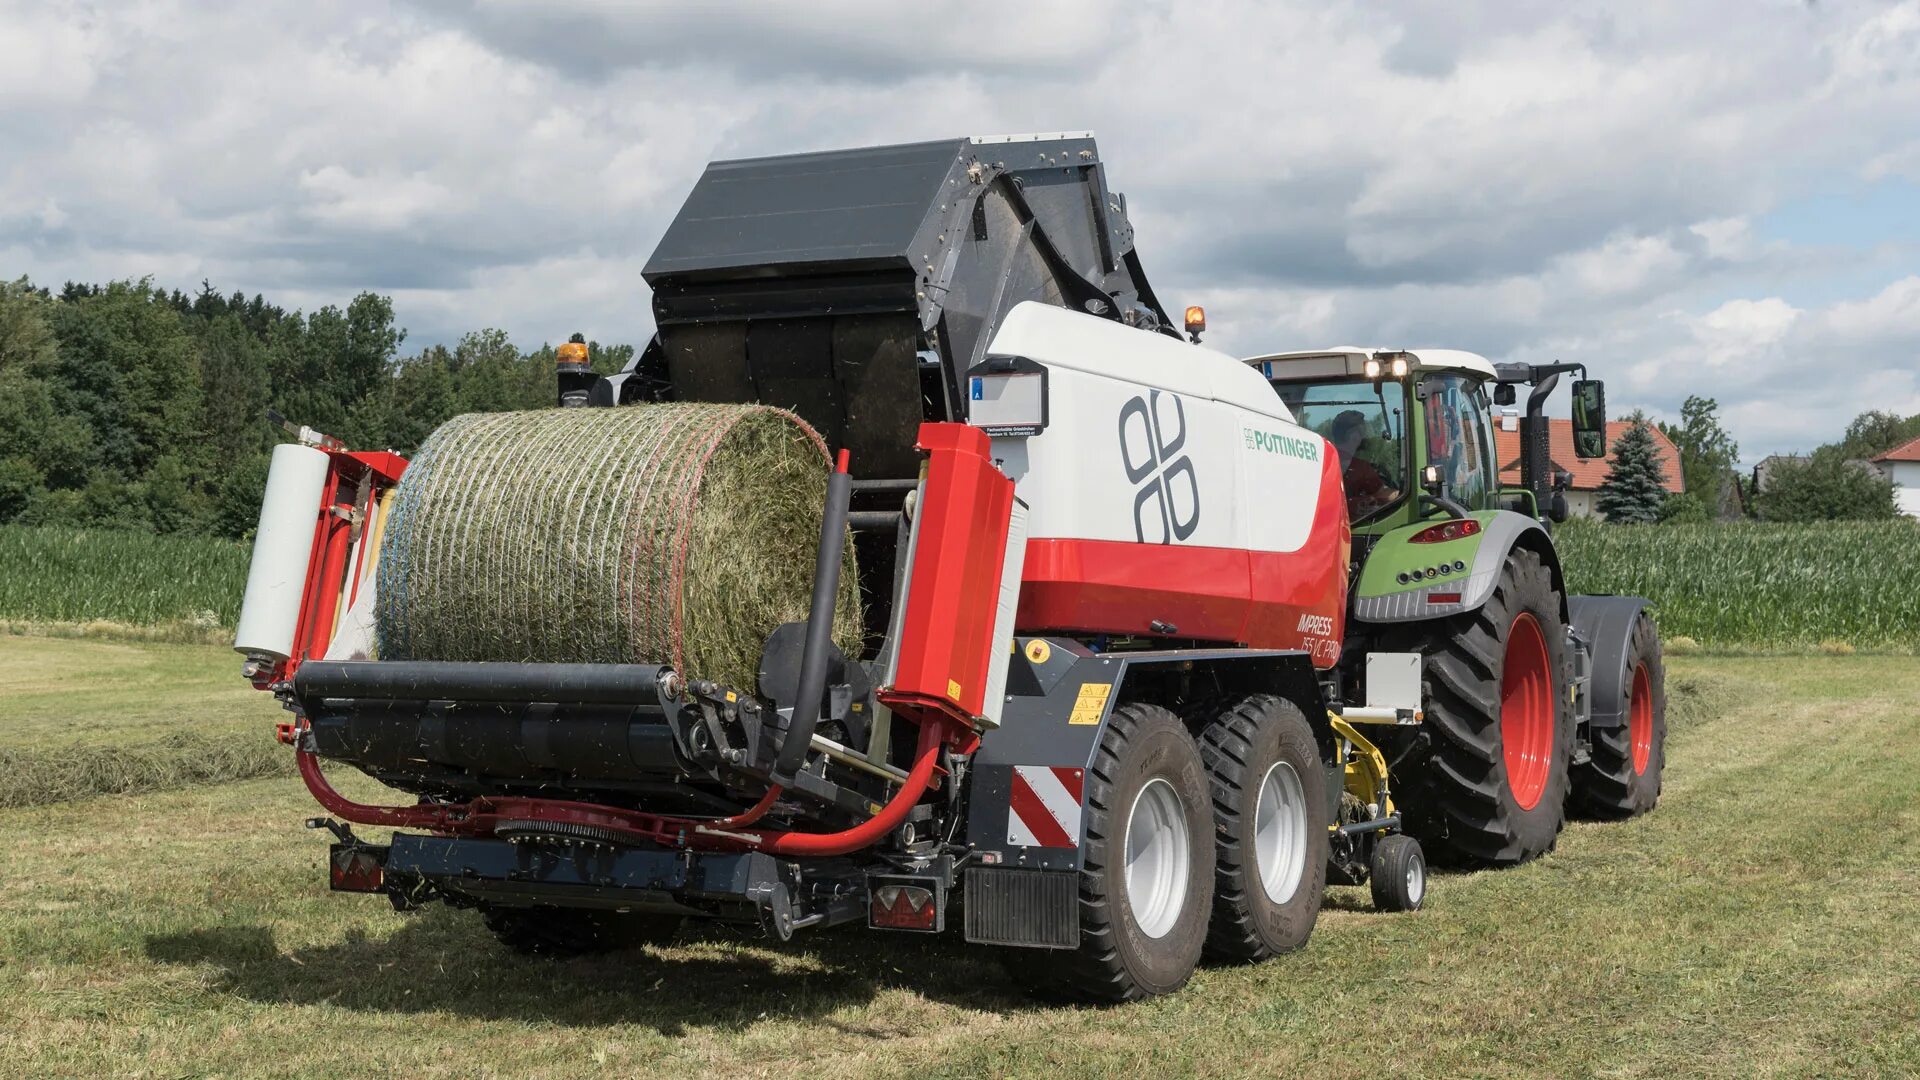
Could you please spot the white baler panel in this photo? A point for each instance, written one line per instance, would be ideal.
(1138, 449)
(282, 547)
(1060, 338)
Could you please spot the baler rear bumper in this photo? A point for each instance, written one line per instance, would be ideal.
(727, 886)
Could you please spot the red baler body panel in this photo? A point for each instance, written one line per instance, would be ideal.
(1262, 599)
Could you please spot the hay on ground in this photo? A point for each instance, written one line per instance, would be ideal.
(680, 534)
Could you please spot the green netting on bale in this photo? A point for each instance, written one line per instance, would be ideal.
(679, 534)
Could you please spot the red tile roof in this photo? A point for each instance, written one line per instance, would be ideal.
(1906, 451)
(1588, 473)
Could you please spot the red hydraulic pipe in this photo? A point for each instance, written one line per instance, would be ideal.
(399, 817)
(754, 813)
(868, 832)
(480, 815)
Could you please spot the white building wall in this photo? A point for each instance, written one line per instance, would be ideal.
(1906, 486)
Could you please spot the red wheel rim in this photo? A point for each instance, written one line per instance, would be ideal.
(1640, 719)
(1526, 711)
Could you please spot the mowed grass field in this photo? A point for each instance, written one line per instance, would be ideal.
(1764, 921)
(85, 716)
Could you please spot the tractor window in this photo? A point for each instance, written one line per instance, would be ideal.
(1367, 426)
(1456, 430)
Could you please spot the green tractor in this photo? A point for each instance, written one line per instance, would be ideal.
(1534, 703)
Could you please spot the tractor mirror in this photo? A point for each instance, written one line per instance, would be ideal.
(1590, 418)
(1503, 394)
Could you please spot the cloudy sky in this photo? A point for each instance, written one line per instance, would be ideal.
(1705, 198)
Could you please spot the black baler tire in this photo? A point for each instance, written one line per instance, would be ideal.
(560, 933)
(1114, 961)
(1393, 856)
(1606, 786)
(1240, 745)
(1452, 782)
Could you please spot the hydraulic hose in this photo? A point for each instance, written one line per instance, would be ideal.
(753, 813)
(399, 817)
(868, 832)
(479, 816)
(819, 642)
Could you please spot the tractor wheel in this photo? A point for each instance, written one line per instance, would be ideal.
(1484, 782)
(1147, 880)
(1622, 779)
(1398, 874)
(561, 933)
(1270, 828)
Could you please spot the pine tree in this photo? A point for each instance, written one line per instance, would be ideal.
(1635, 488)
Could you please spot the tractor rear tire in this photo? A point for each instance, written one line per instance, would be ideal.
(1270, 838)
(1622, 778)
(1484, 781)
(1141, 931)
(561, 933)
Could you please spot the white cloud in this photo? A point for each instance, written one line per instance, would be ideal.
(1535, 182)
(1729, 238)
(1743, 331)
(1623, 264)
(1889, 317)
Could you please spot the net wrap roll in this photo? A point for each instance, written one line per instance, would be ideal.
(678, 534)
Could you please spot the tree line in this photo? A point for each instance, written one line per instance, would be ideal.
(1835, 482)
(127, 406)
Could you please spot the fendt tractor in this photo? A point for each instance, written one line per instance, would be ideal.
(1158, 642)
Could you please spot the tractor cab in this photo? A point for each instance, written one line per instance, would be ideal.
(1414, 430)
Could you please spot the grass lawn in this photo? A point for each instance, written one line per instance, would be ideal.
(1765, 920)
(84, 716)
(55, 692)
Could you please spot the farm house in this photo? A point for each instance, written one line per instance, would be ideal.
(1902, 466)
(1588, 473)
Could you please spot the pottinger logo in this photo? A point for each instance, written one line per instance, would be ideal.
(1166, 499)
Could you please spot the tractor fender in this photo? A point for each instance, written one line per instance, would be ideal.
(1606, 623)
(1439, 590)
(1026, 785)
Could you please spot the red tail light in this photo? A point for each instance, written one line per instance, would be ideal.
(352, 869)
(903, 907)
(1446, 530)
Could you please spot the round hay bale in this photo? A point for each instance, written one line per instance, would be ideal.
(677, 534)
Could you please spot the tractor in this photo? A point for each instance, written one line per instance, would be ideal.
(1534, 702)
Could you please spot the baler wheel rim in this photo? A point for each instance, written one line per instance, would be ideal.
(1526, 711)
(1640, 719)
(1280, 832)
(1158, 863)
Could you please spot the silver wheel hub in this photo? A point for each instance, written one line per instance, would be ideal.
(1159, 858)
(1280, 833)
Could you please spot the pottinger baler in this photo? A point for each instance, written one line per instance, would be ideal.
(1104, 718)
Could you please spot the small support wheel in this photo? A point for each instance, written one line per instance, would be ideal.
(1399, 874)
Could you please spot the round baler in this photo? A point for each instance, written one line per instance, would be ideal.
(1082, 665)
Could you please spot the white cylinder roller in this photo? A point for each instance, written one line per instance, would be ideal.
(282, 548)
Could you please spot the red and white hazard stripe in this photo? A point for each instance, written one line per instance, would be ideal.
(1045, 808)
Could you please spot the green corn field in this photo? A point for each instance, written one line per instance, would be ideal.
(1759, 584)
(1722, 585)
(84, 575)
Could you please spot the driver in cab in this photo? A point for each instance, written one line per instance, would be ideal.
(1367, 489)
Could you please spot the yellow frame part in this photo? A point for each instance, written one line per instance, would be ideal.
(1366, 766)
